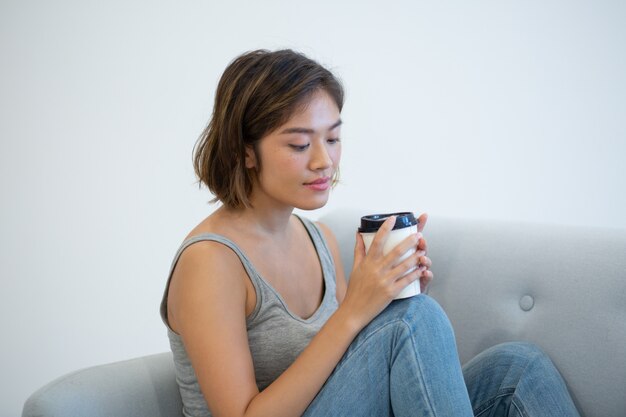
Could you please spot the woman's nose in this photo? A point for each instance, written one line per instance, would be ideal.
(321, 158)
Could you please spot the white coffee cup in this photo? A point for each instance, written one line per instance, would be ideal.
(406, 224)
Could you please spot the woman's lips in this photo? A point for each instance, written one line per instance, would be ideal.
(321, 184)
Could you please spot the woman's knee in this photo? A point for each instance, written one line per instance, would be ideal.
(516, 353)
(514, 360)
(410, 308)
(518, 374)
(418, 318)
(423, 309)
(421, 315)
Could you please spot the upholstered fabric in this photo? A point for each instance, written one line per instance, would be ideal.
(141, 387)
(563, 288)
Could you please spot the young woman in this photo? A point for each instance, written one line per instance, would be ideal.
(262, 321)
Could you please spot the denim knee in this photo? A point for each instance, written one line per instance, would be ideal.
(420, 310)
(516, 353)
(519, 375)
(517, 359)
(419, 315)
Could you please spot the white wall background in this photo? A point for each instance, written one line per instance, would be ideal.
(491, 109)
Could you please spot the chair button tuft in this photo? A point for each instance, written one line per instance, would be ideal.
(527, 302)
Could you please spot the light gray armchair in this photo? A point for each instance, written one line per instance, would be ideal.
(140, 387)
(563, 288)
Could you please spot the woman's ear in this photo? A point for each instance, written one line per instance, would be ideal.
(250, 157)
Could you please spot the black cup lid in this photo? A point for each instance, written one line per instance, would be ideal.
(372, 222)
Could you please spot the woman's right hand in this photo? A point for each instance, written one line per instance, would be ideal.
(377, 278)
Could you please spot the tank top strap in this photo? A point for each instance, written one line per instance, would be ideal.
(323, 251)
(213, 237)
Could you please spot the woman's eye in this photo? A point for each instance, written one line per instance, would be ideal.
(333, 140)
(299, 148)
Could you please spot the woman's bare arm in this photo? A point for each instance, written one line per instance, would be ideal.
(206, 307)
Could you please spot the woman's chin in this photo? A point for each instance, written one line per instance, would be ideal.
(313, 204)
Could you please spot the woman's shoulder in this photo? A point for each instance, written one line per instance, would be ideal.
(207, 242)
(205, 266)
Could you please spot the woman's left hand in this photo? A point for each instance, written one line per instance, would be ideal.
(424, 261)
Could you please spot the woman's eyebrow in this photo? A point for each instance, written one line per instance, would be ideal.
(308, 131)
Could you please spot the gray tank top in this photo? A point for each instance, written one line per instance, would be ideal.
(276, 335)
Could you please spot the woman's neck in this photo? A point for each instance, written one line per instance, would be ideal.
(260, 220)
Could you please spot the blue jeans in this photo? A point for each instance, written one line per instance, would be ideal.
(405, 363)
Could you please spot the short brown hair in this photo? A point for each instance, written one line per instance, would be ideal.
(257, 93)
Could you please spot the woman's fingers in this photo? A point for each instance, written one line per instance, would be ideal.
(424, 260)
(425, 279)
(405, 280)
(378, 243)
(422, 221)
(399, 268)
(425, 276)
(359, 250)
(410, 263)
(408, 243)
(417, 264)
(422, 245)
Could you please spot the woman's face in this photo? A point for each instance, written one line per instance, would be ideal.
(299, 158)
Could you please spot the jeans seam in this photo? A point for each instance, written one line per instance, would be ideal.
(419, 365)
(509, 391)
(349, 354)
(487, 405)
(518, 407)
